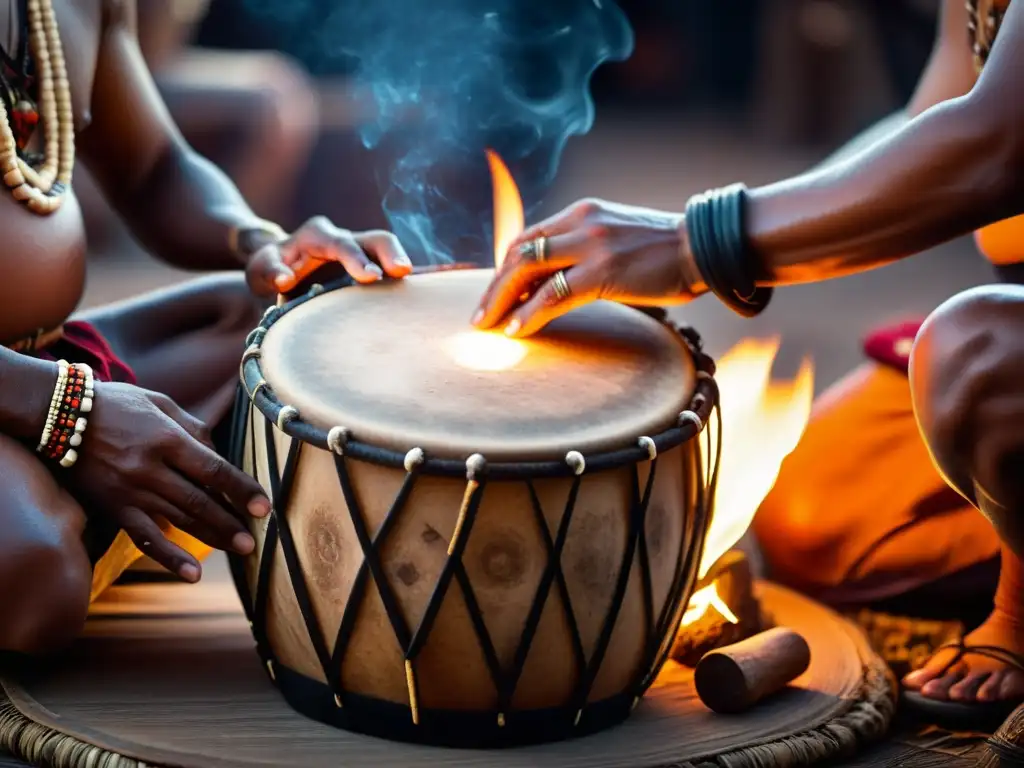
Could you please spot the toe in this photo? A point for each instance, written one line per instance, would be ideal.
(916, 679)
(939, 687)
(967, 689)
(990, 690)
(1012, 688)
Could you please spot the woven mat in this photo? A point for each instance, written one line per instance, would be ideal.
(166, 675)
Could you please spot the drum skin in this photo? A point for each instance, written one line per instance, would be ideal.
(628, 376)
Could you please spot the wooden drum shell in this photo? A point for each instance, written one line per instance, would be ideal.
(506, 561)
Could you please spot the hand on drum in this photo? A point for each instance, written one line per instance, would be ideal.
(148, 461)
(591, 250)
(367, 256)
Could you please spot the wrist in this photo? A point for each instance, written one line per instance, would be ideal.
(246, 239)
(68, 414)
(716, 236)
(26, 389)
(693, 281)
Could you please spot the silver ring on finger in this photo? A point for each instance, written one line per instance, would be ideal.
(541, 248)
(561, 286)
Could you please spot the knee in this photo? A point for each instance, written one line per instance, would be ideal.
(966, 364)
(45, 580)
(238, 311)
(285, 111)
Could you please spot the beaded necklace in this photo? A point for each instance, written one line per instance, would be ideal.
(38, 182)
(982, 36)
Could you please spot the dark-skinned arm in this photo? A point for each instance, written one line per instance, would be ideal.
(954, 168)
(176, 203)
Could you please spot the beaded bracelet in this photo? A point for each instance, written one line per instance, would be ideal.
(72, 396)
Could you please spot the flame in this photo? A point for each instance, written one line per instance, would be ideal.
(703, 600)
(508, 207)
(488, 350)
(480, 351)
(762, 422)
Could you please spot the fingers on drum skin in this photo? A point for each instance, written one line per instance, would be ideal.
(556, 297)
(521, 276)
(319, 239)
(386, 250)
(150, 540)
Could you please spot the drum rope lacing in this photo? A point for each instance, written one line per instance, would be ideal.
(255, 393)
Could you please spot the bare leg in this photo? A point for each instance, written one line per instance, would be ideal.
(185, 341)
(968, 384)
(45, 574)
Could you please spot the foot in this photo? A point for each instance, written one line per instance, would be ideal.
(986, 675)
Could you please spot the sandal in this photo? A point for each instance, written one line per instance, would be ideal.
(962, 715)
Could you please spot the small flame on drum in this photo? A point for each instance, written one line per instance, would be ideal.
(482, 351)
(508, 207)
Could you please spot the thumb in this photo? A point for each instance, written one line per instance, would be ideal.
(268, 274)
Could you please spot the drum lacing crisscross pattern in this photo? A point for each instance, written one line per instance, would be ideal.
(411, 640)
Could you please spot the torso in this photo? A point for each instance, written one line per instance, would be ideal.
(43, 257)
(1002, 243)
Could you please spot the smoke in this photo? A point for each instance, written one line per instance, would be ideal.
(449, 78)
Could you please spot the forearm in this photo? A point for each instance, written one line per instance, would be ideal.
(942, 175)
(185, 211)
(26, 387)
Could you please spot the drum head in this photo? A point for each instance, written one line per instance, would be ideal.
(400, 366)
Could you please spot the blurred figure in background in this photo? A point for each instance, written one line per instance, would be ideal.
(253, 113)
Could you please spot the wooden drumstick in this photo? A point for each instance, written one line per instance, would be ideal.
(732, 679)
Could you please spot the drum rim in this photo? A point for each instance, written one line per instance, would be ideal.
(253, 385)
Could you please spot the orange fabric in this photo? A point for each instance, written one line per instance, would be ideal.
(1002, 243)
(859, 512)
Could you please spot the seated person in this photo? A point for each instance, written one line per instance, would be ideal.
(254, 114)
(875, 518)
(122, 448)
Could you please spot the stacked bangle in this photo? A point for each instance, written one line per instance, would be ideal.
(65, 423)
(716, 230)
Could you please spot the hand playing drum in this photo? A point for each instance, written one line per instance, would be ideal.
(279, 261)
(591, 250)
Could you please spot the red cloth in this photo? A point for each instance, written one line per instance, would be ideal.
(83, 343)
(891, 345)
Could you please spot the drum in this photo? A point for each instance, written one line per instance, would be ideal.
(475, 541)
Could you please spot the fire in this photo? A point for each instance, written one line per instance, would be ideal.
(508, 207)
(488, 350)
(762, 422)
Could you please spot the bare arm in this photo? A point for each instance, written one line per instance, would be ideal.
(953, 168)
(176, 203)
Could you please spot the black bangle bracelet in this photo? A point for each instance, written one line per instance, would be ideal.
(715, 226)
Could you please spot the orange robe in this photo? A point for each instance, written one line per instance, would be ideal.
(859, 513)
